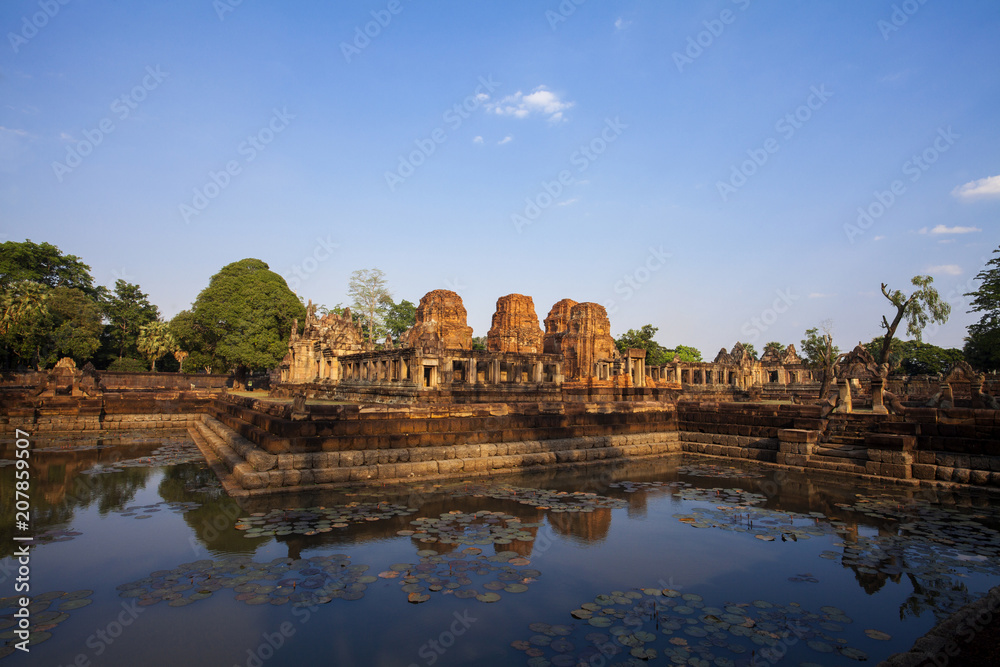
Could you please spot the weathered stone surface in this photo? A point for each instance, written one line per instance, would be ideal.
(311, 355)
(515, 326)
(556, 325)
(798, 435)
(587, 341)
(441, 322)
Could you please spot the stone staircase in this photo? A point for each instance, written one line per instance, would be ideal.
(842, 445)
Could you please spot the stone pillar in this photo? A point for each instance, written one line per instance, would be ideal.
(878, 400)
(947, 396)
(844, 403)
(796, 445)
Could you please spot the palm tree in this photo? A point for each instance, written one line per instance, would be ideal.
(155, 340)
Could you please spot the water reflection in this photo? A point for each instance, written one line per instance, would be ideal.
(912, 553)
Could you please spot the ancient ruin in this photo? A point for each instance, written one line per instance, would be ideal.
(314, 353)
(515, 326)
(429, 404)
(575, 358)
(440, 323)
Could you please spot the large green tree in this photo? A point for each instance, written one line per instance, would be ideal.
(399, 317)
(23, 322)
(821, 354)
(371, 297)
(76, 325)
(922, 306)
(242, 320)
(982, 346)
(128, 309)
(911, 357)
(43, 263)
(41, 324)
(686, 353)
(656, 354)
(190, 340)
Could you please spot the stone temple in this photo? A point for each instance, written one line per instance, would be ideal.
(574, 358)
(543, 394)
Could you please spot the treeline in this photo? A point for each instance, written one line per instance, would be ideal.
(922, 306)
(50, 308)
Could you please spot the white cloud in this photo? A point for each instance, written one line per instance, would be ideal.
(984, 187)
(477, 140)
(505, 140)
(943, 229)
(621, 24)
(946, 269)
(878, 238)
(541, 100)
(567, 202)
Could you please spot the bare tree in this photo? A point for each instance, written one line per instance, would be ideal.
(371, 297)
(821, 354)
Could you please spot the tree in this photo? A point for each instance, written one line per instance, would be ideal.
(773, 346)
(656, 354)
(128, 309)
(372, 298)
(922, 306)
(400, 317)
(912, 357)
(155, 341)
(874, 348)
(916, 358)
(479, 343)
(75, 324)
(982, 346)
(750, 349)
(821, 354)
(180, 356)
(242, 320)
(44, 263)
(22, 325)
(190, 338)
(686, 354)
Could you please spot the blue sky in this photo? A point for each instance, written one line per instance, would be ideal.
(697, 166)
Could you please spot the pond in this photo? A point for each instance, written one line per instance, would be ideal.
(141, 558)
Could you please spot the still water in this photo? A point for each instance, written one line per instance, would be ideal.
(140, 558)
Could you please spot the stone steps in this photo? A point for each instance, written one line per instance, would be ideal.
(842, 451)
(842, 440)
(821, 462)
(258, 472)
